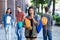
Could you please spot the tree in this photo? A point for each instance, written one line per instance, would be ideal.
(38, 2)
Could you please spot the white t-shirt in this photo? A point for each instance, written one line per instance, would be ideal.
(8, 20)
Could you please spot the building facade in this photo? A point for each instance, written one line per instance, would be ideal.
(4, 4)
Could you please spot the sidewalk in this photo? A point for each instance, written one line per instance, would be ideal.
(56, 34)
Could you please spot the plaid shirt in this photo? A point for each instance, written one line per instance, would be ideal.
(19, 16)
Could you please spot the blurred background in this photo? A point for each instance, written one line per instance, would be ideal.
(39, 5)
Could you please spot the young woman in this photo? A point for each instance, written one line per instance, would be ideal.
(31, 34)
(7, 20)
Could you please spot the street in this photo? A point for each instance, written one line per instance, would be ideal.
(55, 32)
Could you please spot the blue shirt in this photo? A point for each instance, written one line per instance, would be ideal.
(4, 19)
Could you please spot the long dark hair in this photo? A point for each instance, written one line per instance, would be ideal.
(7, 10)
(29, 10)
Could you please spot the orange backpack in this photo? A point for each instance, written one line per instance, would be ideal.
(27, 23)
(44, 20)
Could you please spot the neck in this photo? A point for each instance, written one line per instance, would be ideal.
(8, 13)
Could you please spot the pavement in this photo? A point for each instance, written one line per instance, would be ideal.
(55, 32)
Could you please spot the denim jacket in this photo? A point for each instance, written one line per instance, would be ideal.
(4, 18)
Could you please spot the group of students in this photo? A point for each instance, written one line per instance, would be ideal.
(30, 34)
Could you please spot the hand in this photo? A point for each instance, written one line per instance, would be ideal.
(32, 16)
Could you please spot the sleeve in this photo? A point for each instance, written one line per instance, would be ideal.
(12, 20)
(37, 18)
(23, 15)
(3, 17)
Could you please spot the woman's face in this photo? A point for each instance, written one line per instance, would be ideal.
(31, 11)
(9, 10)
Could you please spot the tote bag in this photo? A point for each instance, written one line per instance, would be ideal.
(39, 26)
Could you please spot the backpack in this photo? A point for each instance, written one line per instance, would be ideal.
(44, 20)
(27, 23)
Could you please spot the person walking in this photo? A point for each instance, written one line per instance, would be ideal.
(31, 33)
(7, 21)
(47, 22)
(19, 19)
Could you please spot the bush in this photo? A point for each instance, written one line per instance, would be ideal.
(58, 19)
(54, 17)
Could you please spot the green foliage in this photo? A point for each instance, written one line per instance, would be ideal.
(56, 18)
(40, 1)
(39, 13)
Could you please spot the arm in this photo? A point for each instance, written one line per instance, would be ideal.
(23, 16)
(35, 21)
(3, 18)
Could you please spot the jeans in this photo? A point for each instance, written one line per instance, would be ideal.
(48, 34)
(8, 32)
(19, 32)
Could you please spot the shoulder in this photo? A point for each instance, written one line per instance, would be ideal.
(11, 15)
(42, 15)
(50, 16)
(36, 15)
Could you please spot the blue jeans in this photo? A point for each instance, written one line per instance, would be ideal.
(19, 32)
(8, 32)
(48, 34)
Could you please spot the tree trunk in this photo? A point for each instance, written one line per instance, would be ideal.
(53, 7)
(49, 3)
(38, 9)
(42, 8)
